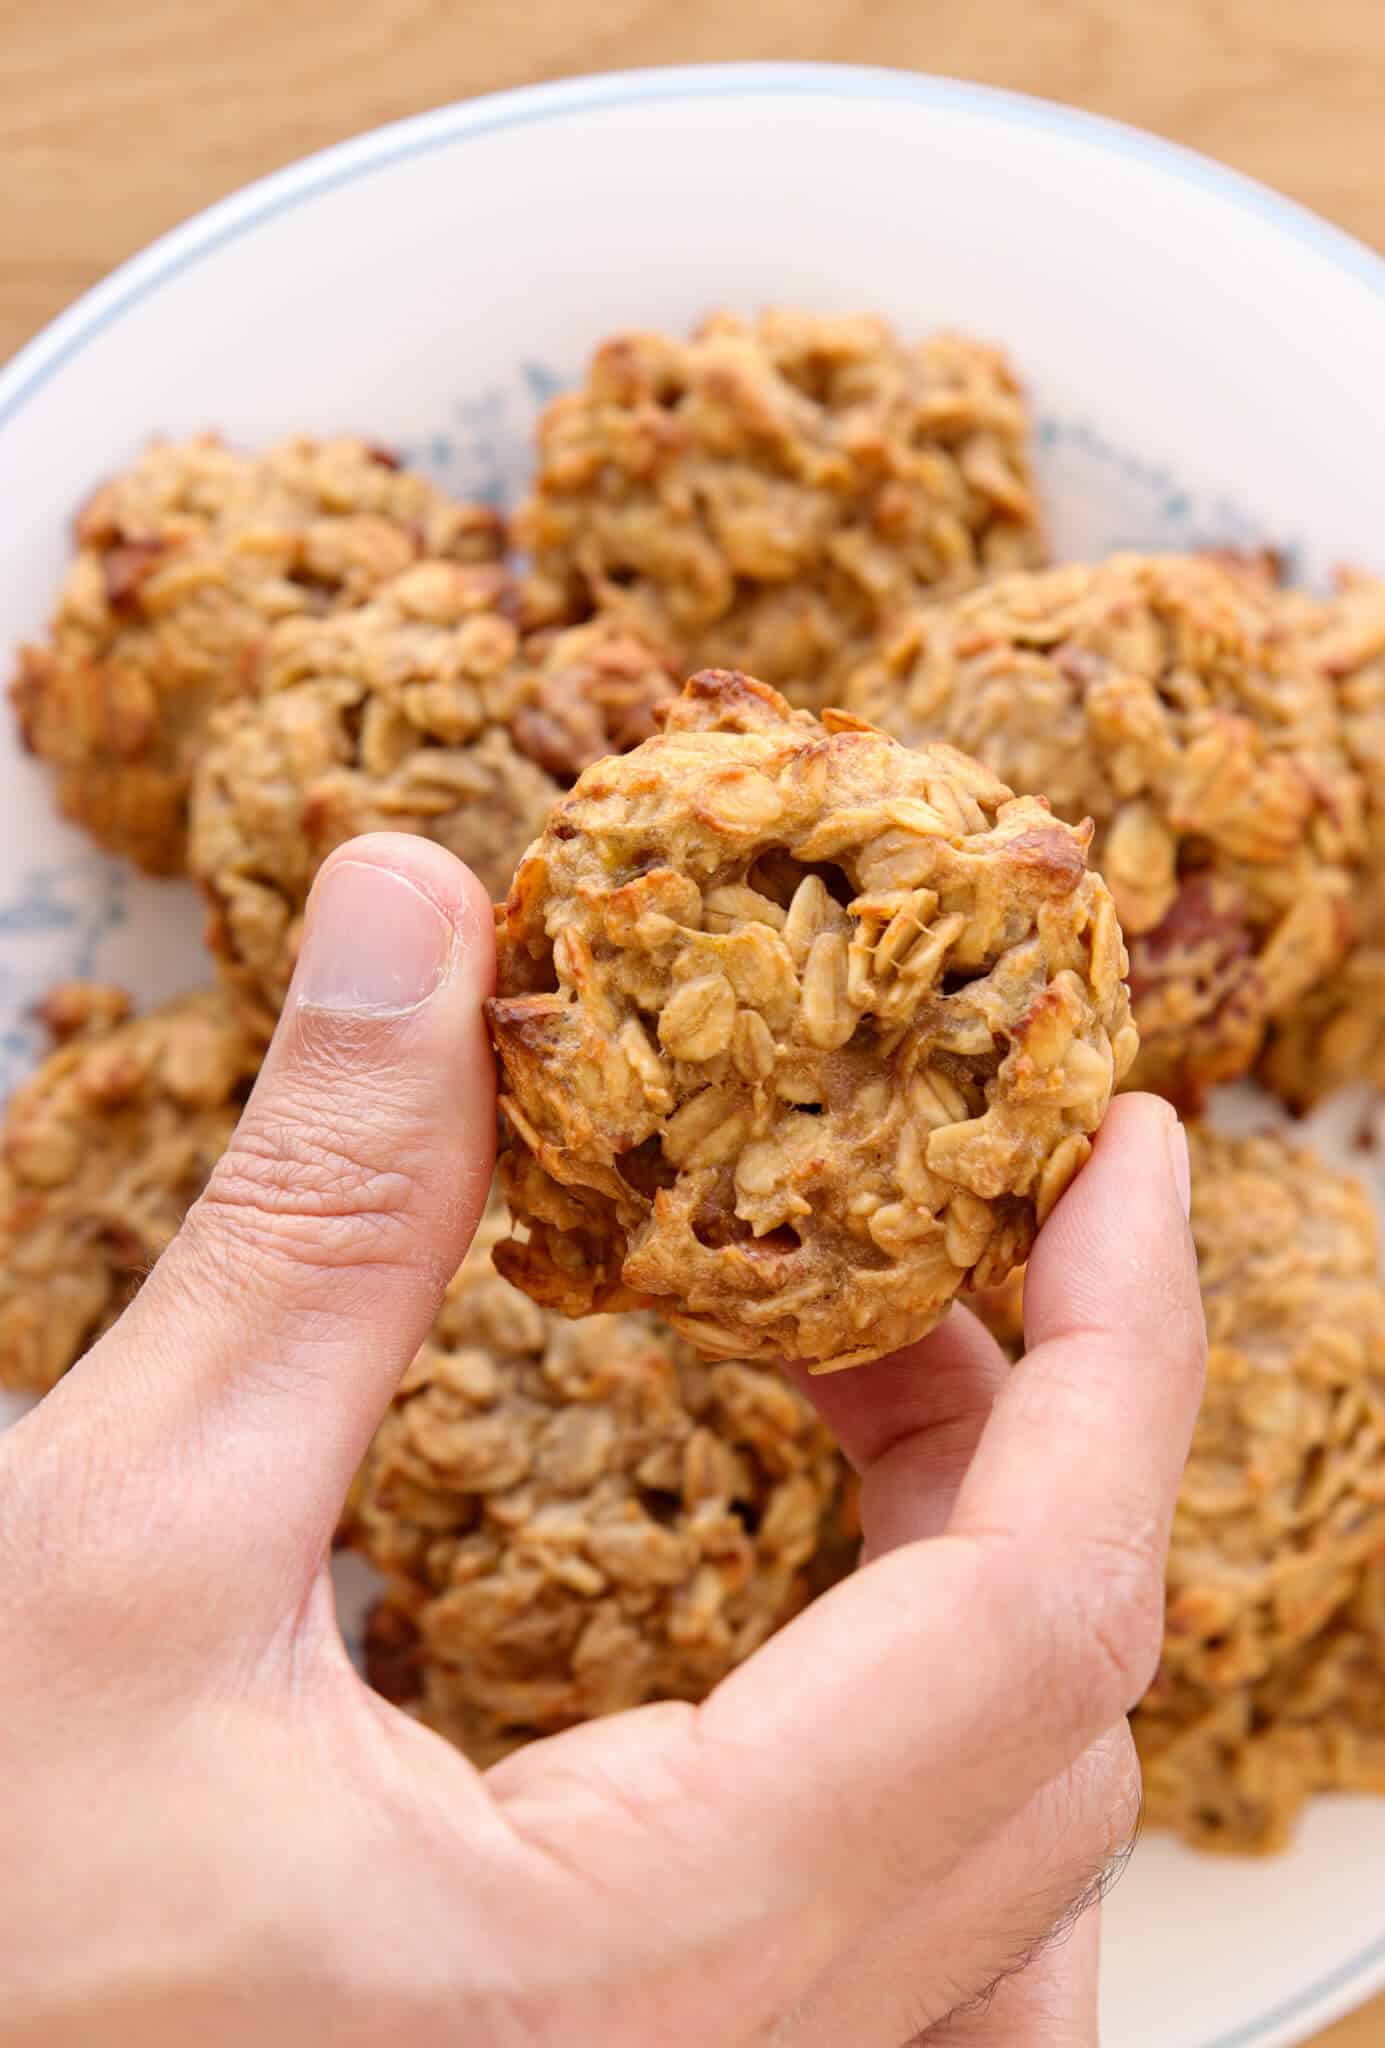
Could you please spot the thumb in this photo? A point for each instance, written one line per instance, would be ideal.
(259, 1356)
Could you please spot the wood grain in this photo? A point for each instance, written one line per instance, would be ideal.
(117, 122)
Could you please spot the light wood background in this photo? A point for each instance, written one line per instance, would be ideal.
(118, 121)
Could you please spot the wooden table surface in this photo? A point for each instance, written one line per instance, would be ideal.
(117, 122)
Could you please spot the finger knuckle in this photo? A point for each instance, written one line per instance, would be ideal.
(1120, 1621)
(325, 1195)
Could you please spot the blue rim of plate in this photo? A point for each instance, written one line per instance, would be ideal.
(382, 148)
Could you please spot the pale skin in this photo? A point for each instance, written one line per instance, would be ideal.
(212, 1832)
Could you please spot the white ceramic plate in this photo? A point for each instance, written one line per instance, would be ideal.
(1207, 364)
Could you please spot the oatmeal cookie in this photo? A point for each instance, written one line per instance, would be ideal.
(1283, 1499)
(1271, 1685)
(183, 562)
(576, 1518)
(1337, 1033)
(765, 495)
(104, 1150)
(421, 711)
(1001, 1309)
(801, 1031)
(1232, 1769)
(1283, 1495)
(1158, 696)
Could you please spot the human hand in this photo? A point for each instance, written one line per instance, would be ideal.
(213, 1832)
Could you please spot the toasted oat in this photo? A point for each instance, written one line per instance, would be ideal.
(1337, 1032)
(579, 1518)
(421, 711)
(183, 564)
(104, 1149)
(767, 494)
(1159, 697)
(801, 1031)
(1001, 1309)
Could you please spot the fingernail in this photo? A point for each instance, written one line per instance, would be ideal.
(373, 943)
(1177, 1140)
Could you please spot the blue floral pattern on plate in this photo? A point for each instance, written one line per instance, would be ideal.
(55, 923)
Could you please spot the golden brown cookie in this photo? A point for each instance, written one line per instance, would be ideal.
(104, 1149)
(183, 563)
(801, 1031)
(1283, 1496)
(767, 494)
(1271, 1685)
(1231, 1770)
(421, 711)
(1336, 1033)
(1001, 1309)
(1283, 1499)
(1159, 697)
(576, 1518)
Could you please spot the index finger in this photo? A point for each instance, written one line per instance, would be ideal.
(1076, 1475)
(952, 1677)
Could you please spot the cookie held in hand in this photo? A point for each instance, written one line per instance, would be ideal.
(802, 1031)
